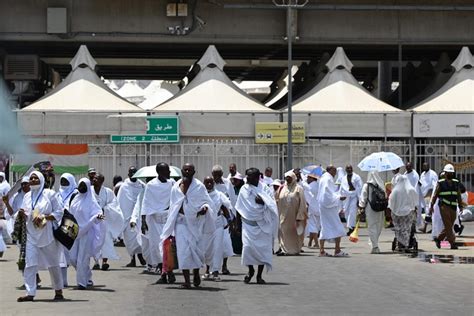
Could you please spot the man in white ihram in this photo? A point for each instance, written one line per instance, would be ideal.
(351, 186)
(155, 207)
(260, 220)
(189, 218)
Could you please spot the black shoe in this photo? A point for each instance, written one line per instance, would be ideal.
(80, 287)
(350, 231)
(437, 243)
(460, 230)
(105, 266)
(225, 271)
(58, 297)
(162, 280)
(132, 264)
(454, 246)
(96, 267)
(171, 278)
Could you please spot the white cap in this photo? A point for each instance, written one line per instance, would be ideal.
(448, 168)
(238, 176)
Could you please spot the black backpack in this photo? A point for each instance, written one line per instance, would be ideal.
(377, 198)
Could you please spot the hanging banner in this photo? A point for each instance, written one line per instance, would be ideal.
(72, 158)
(277, 133)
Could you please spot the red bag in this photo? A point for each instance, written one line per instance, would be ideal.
(170, 256)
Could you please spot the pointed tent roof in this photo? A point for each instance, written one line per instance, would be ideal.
(339, 91)
(157, 93)
(82, 91)
(456, 95)
(212, 91)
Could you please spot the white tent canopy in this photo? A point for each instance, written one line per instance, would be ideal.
(456, 95)
(340, 92)
(211, 91)
(81, 91)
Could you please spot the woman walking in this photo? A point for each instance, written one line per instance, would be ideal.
(402, 203)
(40, 209)
(293, 213)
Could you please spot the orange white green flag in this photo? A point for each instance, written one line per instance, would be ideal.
(72, 158)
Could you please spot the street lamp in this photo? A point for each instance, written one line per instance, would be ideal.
(289, 5)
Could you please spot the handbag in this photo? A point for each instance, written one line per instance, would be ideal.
(67, 232)
(170, 255)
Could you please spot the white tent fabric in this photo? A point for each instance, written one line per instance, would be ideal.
(457, 95)
(82, 96)
(339, 91)
(131, 90)
(81, 91)
(158, 97)
(211, 91)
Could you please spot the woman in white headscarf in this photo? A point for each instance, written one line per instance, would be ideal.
(402, 203)
(67, 189)
(293, 214)
(40, 210)
(374, 219)
(91, 236)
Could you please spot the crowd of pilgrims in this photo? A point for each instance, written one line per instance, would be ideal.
(205, 223)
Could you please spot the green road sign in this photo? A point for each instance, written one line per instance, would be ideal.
(160, 129)
(164, 125)
(134, 139)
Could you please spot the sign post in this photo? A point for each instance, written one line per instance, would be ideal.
(277, 133)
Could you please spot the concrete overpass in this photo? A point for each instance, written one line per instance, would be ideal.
(138, 39)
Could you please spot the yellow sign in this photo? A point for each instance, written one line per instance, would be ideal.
(277, 133)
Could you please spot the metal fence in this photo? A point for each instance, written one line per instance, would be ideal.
(114, 159)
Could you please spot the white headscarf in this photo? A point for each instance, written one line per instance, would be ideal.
(84, 206)
(4, 185)
(403, 198)
(67, 191)
(39, 191)
(373, 177)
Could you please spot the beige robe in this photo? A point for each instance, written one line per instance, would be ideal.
(291, 207)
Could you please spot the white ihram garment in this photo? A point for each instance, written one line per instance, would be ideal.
(188, 228)
(314, 216)
(156, 203)
(259, 225)
(113, 221)
(127, 198)
(350, 203)
(228, 189)
(214, 242)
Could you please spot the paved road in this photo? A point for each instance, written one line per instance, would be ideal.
(363, 284)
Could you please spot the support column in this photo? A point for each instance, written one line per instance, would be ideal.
(384, 80)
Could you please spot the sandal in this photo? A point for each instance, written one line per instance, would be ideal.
(341, 254)
(248, 278)
(27, 298)
(324, 254)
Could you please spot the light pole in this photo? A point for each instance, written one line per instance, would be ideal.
(289, 5)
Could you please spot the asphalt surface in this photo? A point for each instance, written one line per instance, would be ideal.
(362, 284)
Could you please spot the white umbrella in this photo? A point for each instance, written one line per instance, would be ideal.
(381, 161)
(150, 172)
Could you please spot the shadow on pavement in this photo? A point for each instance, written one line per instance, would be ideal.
(201, 288)
(66, 300)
